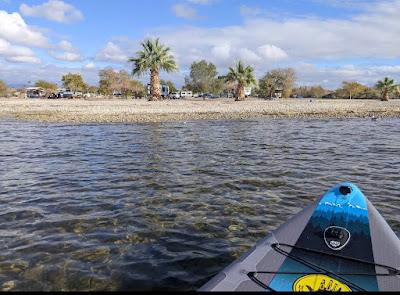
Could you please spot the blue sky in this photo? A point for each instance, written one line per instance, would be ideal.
(326, 41)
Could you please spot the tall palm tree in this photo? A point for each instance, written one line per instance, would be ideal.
(154, 57)
(242, 75)
(387, 87)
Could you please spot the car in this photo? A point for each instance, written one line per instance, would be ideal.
(78, 94)
(65, 93)
(175, 95)
(69, 95)
(210, 96)
(52, 96)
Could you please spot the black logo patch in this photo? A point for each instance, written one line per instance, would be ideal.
(336, 238)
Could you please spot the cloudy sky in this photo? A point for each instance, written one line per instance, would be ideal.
(326, 41)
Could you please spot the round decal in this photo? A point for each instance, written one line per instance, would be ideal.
(319, 283)
(336, 238)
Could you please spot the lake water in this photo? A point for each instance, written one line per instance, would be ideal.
(167, 206)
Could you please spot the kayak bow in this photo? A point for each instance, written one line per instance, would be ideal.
(339, 243)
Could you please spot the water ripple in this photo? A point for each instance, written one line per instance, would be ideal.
(166, 206)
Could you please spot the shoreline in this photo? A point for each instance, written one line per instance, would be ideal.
(142, 111)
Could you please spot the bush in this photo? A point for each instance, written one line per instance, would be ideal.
(3, 88)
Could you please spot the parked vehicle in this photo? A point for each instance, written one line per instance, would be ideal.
(164, 91)
(78, 94)
(52, 96)
(163, 88)
(65, 93)
(247, 91)
(209, 96)
(35, 92)
(186, 94)
(175, 95)
(117, 94)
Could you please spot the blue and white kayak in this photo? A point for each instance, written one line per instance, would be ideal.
(339, 243)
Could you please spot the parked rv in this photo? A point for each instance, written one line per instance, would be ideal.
(163, 88)
(35, 92)
(186, 94)
(164, 91)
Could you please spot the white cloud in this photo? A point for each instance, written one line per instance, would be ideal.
(112, 53)
(184, 11)
(69, 52)
(372, 34)
(248, 55)
(14, 29)
(66, 45)
(272, 52)
(222, 52)
(66, 56)
(90, 65)
(24, 59)
(17, 54)
(54, 10)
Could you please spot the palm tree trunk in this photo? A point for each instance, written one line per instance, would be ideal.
(155, 84)
(240, 93)
(385, 96)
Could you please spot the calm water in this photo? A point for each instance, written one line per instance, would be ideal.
(166, 206)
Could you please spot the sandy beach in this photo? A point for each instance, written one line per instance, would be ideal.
(135, 111)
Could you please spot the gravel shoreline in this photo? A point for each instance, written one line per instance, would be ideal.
(137, 111)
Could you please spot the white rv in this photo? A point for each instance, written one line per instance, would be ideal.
(35, 92)
(186, 93)
(247, 91)
(164, 90)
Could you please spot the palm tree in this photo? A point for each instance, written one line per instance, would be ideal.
(242, 75)
(387, 87)
(154, 57)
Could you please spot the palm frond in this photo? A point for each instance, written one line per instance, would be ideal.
(242, 74)
(153, 56)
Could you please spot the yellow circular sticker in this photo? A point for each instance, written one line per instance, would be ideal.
(318, 282)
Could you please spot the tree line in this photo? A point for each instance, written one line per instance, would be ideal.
(155, 57)
(204, 78)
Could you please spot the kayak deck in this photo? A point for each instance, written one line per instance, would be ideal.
(339, 243)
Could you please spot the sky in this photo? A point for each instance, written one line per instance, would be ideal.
(325, 41)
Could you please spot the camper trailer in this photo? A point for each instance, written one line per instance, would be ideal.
(35, 92)
(186, 93)
(164, 90)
